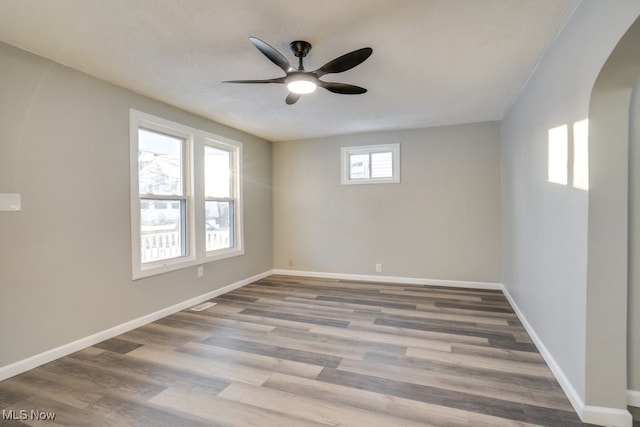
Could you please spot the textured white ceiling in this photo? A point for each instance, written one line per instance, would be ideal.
(434, 62)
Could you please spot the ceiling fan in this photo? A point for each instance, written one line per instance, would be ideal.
(300, 82)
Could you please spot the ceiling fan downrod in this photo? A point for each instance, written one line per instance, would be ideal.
(300, 49)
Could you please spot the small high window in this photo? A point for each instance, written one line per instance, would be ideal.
(371, 164)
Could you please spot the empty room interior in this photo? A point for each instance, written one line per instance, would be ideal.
(357, 213)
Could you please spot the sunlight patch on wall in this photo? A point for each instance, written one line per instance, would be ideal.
(581, 155)
(569, 155)
(558, 155)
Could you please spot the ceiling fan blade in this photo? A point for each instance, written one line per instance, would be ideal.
(292, 98)
(345, 62)
(271, 53)
(276, 80)
(342, 88)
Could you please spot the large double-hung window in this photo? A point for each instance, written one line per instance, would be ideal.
(185, 196)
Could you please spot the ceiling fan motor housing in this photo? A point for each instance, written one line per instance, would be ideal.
(300, 48)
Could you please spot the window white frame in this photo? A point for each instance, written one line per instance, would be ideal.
(347, 152)
(235, 149)
(194, 199)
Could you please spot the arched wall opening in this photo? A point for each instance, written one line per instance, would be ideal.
(611, 213)
(633, 306)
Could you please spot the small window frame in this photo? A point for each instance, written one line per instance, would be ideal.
(347, 152)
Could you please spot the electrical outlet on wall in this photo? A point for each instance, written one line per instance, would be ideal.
(200, 271)
(378, 268)
(291, 263)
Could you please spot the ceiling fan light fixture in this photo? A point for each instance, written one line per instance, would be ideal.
(301, 83)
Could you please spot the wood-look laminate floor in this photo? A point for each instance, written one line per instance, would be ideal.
(288, 351)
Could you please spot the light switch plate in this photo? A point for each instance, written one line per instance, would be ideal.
(10, 202)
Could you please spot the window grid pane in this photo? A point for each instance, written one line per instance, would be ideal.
(160, 163)
(218, 182)
(162, 229)
(359, 166)
(219, 224)
(382, 165)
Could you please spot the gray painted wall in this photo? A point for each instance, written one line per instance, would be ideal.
(441, 222)
(65, 259)
(545, 226)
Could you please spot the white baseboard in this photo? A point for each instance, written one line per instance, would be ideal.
(567, 387)
(55, 353)
(606, 416)
(633, 398)
(391, 279)
(612, 417)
